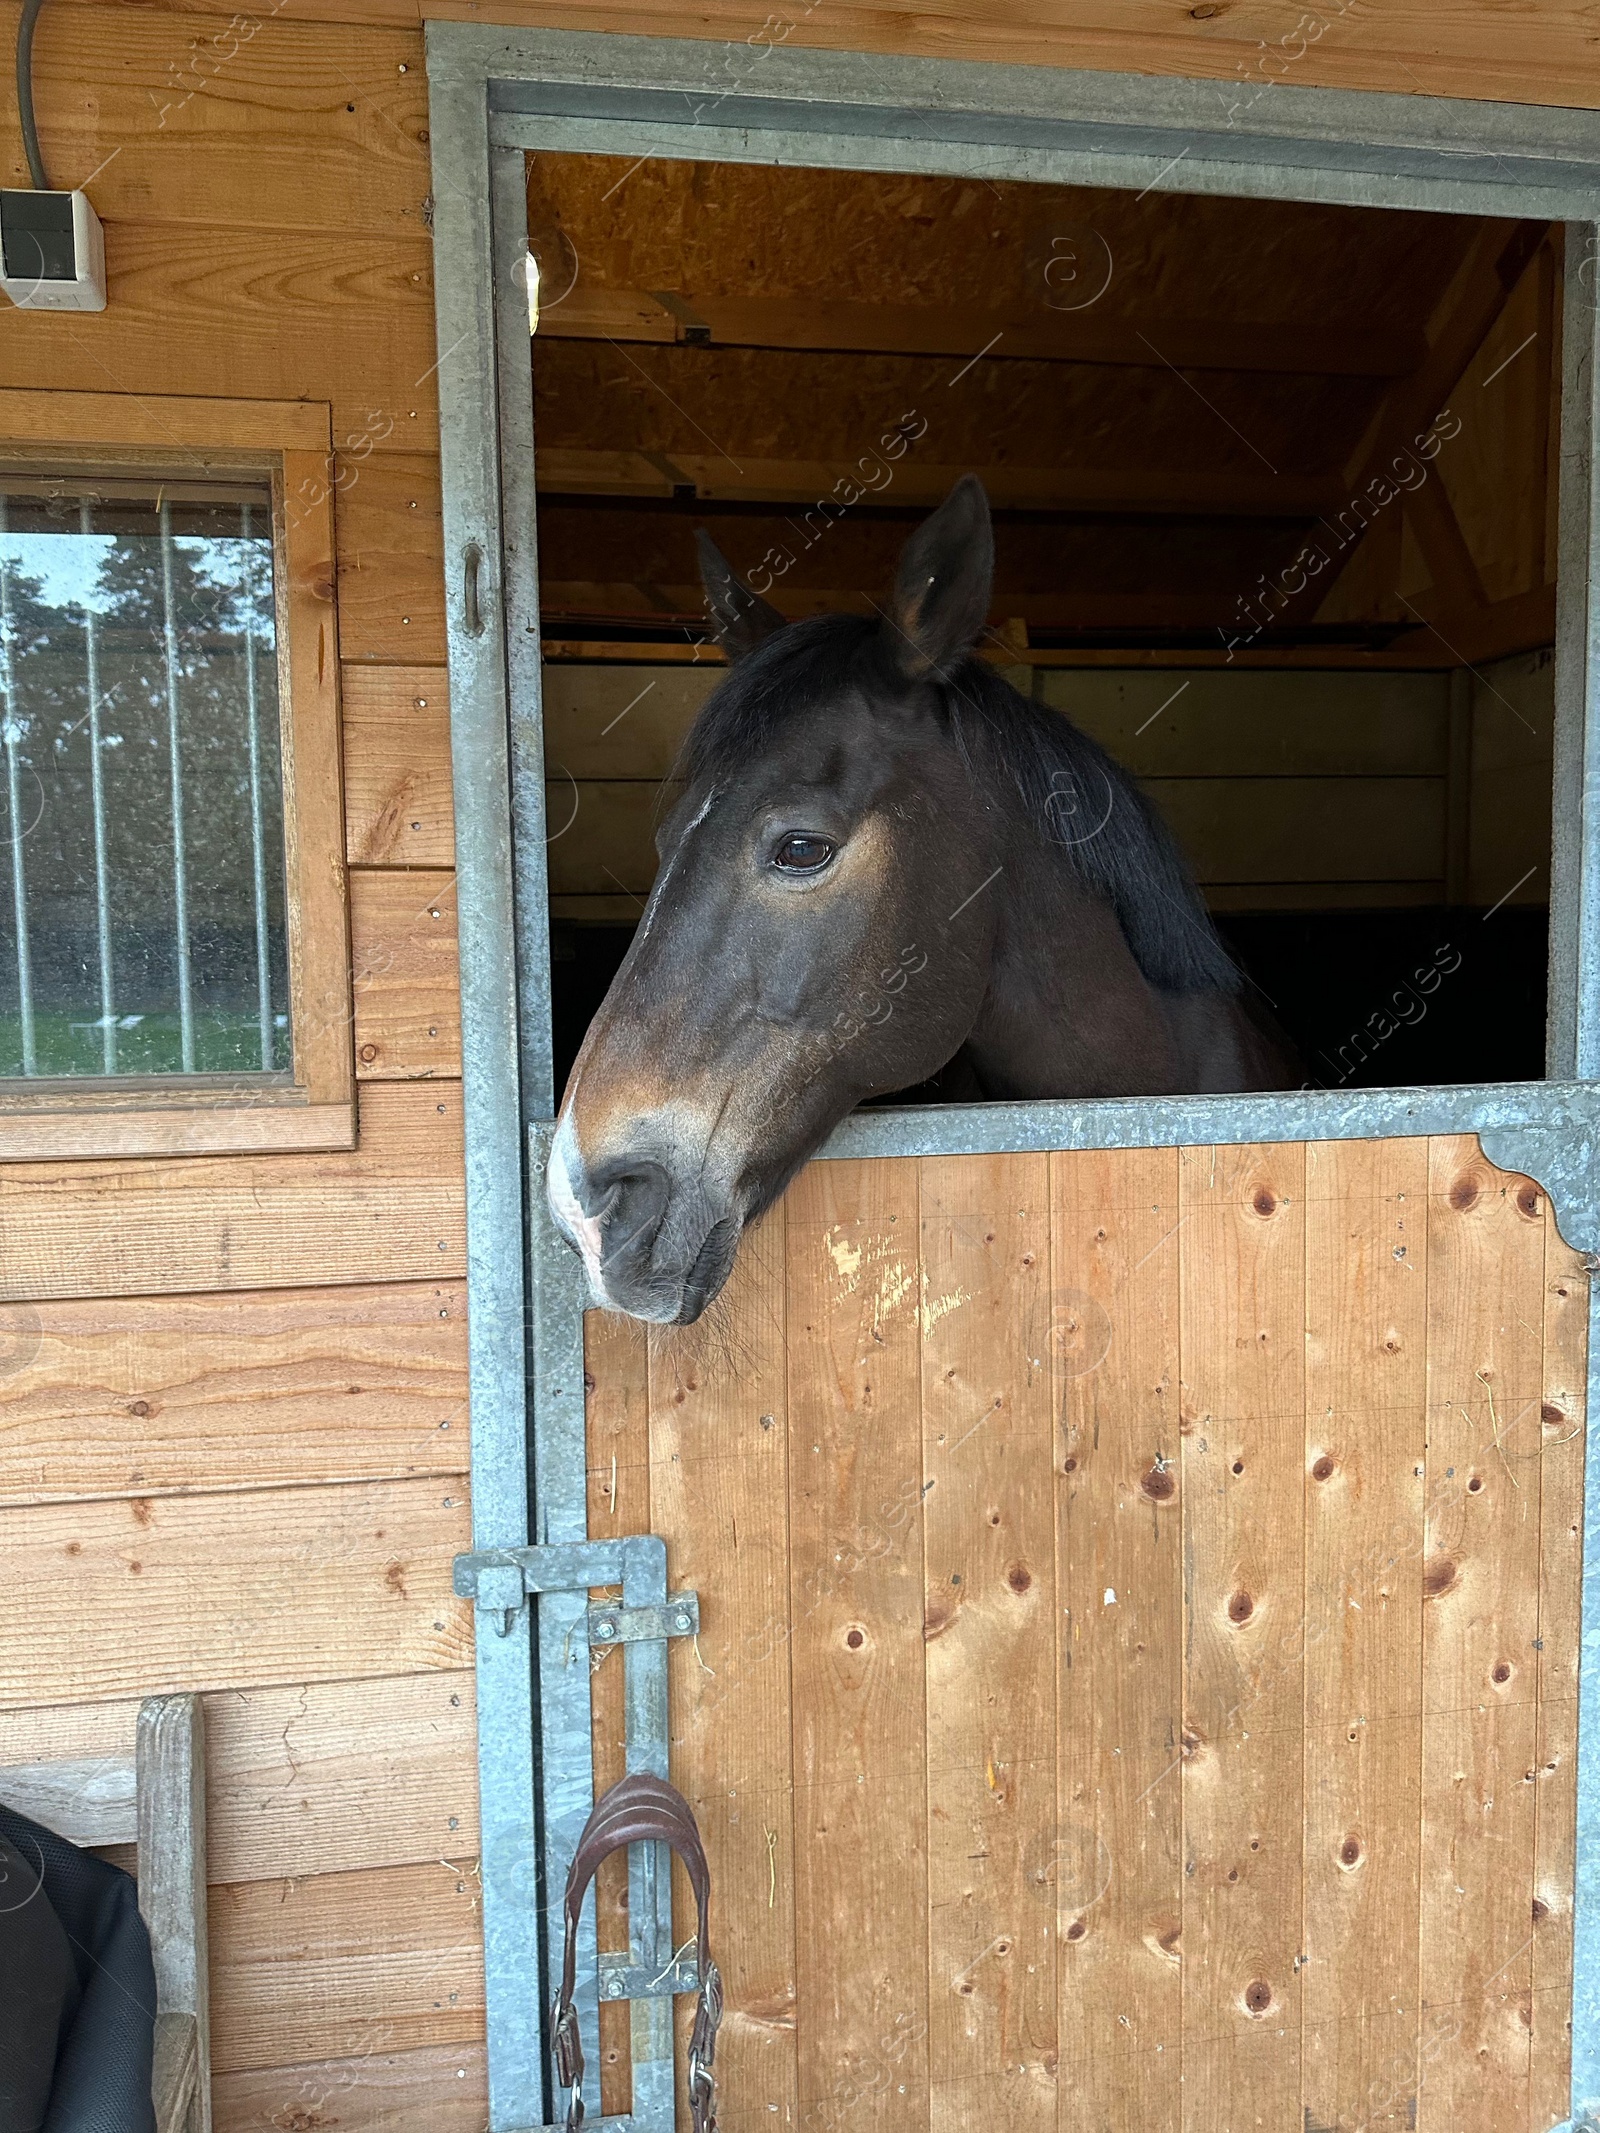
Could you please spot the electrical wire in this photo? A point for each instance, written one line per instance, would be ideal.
(30, 132)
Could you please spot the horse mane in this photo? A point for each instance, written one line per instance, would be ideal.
(1002, 737)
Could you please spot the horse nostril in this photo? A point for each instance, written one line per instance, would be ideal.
(628, 1200)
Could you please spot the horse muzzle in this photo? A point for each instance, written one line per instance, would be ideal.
(655, 1243)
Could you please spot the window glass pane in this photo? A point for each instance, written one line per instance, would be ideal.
(141, 805)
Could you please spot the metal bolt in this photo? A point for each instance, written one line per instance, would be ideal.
(683, 1619)
(603, 1628)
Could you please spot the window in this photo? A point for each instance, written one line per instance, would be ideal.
(139, 674)
(173, 969)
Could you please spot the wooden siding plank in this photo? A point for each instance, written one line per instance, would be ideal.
(1242, 1260)
(1235, 830)
(391, 559)
(1117, 1864)
(441, 2088)
(390, 556)
(617, 1416)
(391, 1209)
(856, 1649)
(621, 721)
(1545, 59)
(312, 1778)
(405, 974)
(1255, 725)
(991, 1613)
(329, 315)
(337, 1966)
(1563, 1413)
(1298, 896)
(1486, 1257)
(117, 1397)
(397, 792)
(153, 423)
(277, 124)
(1366, 1388)
(719, 1452)
(203, 1592)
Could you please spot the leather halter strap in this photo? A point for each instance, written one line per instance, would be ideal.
(640, 1809)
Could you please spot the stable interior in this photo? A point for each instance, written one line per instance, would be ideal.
(1171, 400)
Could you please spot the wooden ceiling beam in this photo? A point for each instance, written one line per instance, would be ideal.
(822, 324)
(824, 488)
(566, 602)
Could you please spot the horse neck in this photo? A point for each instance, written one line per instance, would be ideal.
(1068, 1012)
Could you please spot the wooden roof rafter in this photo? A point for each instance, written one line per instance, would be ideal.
(884, 482)
(822, 324)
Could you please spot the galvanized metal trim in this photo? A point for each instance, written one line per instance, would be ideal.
(1550, 1130)
(1573, 1039)
(566, 1769)
(496, 1286)
(1586, 1889)
(524, 666)
(752, 99)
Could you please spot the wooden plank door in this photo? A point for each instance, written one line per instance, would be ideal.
(1137, 1678)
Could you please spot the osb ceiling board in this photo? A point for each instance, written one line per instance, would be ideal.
(750, 230)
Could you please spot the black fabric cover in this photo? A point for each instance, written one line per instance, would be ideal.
(77, 1989)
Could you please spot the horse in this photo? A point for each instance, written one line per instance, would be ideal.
(885, 866)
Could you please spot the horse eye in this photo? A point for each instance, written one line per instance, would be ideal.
(800, 854)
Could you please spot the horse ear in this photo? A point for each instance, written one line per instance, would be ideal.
(942, 588)
(742, 617)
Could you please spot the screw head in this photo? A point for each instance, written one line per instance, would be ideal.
(683, 1619)
(603, 1628)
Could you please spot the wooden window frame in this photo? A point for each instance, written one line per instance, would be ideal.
(289, 442)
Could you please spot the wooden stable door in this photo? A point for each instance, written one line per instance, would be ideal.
(1137, 1681)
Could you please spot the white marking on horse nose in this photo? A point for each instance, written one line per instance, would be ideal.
(584, 1230)
(654, 905)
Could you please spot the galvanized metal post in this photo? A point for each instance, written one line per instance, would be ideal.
(497, 1288)
(1574, 1025)
(1573, 1039)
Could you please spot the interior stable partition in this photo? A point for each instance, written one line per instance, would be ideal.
(496, 95)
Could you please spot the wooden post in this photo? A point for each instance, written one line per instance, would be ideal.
(171, 1766)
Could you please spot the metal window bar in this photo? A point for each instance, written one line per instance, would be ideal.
(180, 857)
(97, 801)
(258, 857)
(14, 730)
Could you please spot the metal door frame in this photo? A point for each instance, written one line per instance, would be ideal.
(496, 94)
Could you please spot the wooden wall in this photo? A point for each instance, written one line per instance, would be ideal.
(235, 1431)
(1290, 789)
(1136, 1683)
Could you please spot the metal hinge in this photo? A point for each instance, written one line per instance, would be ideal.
(500, 1581)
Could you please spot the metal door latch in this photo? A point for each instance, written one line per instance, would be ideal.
(500, 1580)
